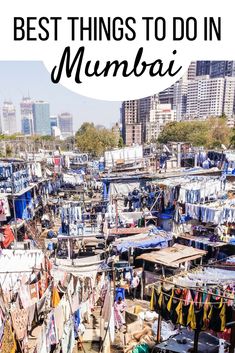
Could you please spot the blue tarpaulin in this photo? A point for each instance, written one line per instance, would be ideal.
(156, 242)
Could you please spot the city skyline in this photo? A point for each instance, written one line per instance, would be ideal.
(195, 95)
(20, 79)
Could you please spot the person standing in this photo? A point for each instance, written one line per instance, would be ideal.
(134, 284)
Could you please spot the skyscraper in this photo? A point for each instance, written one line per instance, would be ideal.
(191, 72)
(143, 119)
(222, 68)
(205, 97)
(65, 123)
(159, 116)
(167, 96)
(229, 100)
(41, 118)
(203, 68)
(53, 121)
(26, 112)
(131, 124)
(9, 125)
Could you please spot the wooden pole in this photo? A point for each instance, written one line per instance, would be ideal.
(116, 214)
(196, 339)
(163, 271)
(142, 282)
(129, 256)
(114, 279)
(159, 328)
(232, 334)
(69, 255)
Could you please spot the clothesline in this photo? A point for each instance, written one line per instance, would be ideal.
(202, 303)
(200, 290)
(24, 271)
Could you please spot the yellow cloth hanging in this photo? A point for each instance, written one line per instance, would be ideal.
(160, 299)
(170, 300)
(191, 320)
(55, 298)
(206, 309)
(179, 310)
(222, 315)
(152, 301)
(8, 340)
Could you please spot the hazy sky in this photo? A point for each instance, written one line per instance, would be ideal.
(20, 78)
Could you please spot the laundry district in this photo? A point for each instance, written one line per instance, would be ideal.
(110, 256)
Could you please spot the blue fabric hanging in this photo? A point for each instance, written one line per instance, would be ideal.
(23, 206)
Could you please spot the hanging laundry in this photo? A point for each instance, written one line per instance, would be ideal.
(20, 322)
(8, 236)
(4, 209)
(59, 321)
(51, 337)
(68, 339)
(8, 339)
(55, 299)
(33, 289)
(77, 320)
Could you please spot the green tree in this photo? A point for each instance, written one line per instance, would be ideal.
(120, 142)
(210, 133)
(8, 151)
(95, 140)
(219, 132)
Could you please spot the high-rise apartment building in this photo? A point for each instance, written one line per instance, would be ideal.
(208, 97)
(41, 118)
(229, 100)
(65, 124)
(131, 125)
(222, 69)
(191, 72)
(199, 97)
(167, 96)
(159, 116)
(203, 68)
(180, 89)
(143, 119)
(9, 123)
(26, 112)
(176, 95)
(53, 121)
(215, 68)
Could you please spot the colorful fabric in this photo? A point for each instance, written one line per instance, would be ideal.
(25, 296)
(77, 320)
(43, 284)
(51, 332)
(8, 340)
(33, 288)
(55, 299)
(20, 322)
(8, 236)
(59, 321)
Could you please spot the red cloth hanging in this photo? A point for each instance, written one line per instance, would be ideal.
(57, 161)
(8, 236)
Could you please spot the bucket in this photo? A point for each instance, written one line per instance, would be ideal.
(165, 221)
